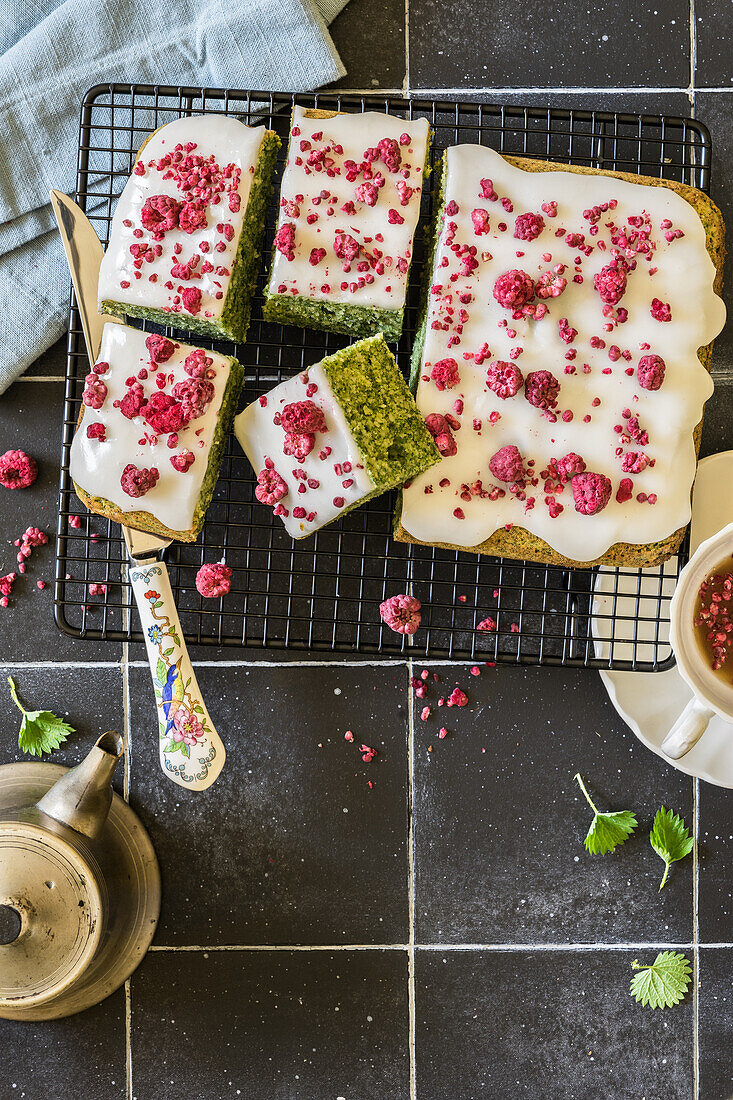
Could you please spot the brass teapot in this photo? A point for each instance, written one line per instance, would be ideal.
(79, 886)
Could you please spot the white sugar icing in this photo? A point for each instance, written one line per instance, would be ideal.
(684, 280)
(232, 144)
(97, 466)
(262, 439)
(355, 134)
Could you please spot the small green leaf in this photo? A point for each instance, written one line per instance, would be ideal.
(664, 983)
(670, 839)
(167, 652)
(172, 746)
(40, 730)
(607, 830)
(161, 671)
(198, 708)
(185, 749)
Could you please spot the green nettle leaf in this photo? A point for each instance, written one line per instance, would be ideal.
(670, 839)
(607, 830)
(40, 730)
(664, 983)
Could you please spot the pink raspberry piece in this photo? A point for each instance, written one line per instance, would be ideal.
(514, 289)
(159, 349)
(480, 219)
(95, 391)
(164, 414)
(401, 613)
(541, 389)
(192, 216)
(285, 240)
(528, 227)
(213, 580)
(17, 470)
(507, 464)
(299, 444)
(270, 487)
(457, 698)
(487, 625)
(191, 298)
(503, 378)
(389, 154)
(136, 482)
(345, 246)
(197, 363)
(445, 374)
(302, 416)
(660, 310)
(195, 395)
(610, 282)
(97, 431)
(182, 462)
(625, 490)
(650, 372)
(159, 214)
(570, 465)
(591, 492)
(438, 427)
(131, 404)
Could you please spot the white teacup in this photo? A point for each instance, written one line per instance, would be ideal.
(712, 693)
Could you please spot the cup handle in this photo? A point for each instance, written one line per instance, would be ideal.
(687, 730)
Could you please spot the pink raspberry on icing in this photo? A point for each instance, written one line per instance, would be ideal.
(389, 154)
(401, 614)
(610, 282)
(17, 470)
(137, 482)
(650, 372)
(514, 289)
(191, 298)
(394, 217)
(159, 349)
(445, 374)
(195, 395)
(487, 190)
(503, 378)
(435, 423)
(634, 462)
(550, 285)
(95, 391)
(367, 192)
(214, 579)
(528, 227)
(97, 431)
(197, 363)
(345, 246)
(270, 487)
(480, 219)
(660, 310)
(285, 240)
(183, 461)
(438, 427)
(164, 414)
(192, 217)
(133, 401)
(299, 444)
(316, 256)
(507, 464)
(625, 490)
(591, 492)
(541, 389)
(570, 465)
(302, 416)
(159, 214)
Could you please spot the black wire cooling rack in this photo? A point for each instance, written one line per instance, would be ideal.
(323, 594)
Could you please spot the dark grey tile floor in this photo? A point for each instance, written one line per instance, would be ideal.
(440, 934)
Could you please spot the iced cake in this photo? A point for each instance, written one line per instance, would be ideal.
(186, 234)
(349, 204)
(561, 361)
(152, 430)
(325, 441)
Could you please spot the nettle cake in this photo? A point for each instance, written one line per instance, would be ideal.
(561, 361)
(332, 437)
(151, 434)
(349, 204)
(187, 230)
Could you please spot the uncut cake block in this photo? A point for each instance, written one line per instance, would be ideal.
(329, 439)
(349, 204)
(152, 430)
(186, 234)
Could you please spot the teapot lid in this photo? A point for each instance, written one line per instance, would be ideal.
(51, 913)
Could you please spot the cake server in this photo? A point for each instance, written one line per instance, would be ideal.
(191, 752)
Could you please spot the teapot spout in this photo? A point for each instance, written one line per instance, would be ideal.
(82, 797)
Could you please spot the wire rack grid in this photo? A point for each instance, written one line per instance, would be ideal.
(323, 594)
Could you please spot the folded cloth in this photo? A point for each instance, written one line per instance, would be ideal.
(281, 45)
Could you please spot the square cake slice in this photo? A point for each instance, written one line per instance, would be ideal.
(561, 361)
(329, 439)
(349, 205)
(187, 230)
(152, 431)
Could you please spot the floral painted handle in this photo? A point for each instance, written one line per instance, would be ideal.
(191, 752)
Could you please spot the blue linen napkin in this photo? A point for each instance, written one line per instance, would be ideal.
(54, 51)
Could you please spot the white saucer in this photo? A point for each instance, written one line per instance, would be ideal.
(650, 702)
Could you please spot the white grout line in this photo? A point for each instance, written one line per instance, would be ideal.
(411, 877)
(490, 92)
(384, 663)
(128, 1040)
(127, 724)
(696, 938)
(507, 948)
(71, 665)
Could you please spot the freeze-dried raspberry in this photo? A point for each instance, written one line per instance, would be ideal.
(634, 462)
(445, 374)
(95, 391)
(507, 464)
(133, 401)
(191, 298)
(316, 256)
(487, 625)
(299, 444)
(503, 378)
(302, 416)
(195, 395)
(457, 698)
(183, 461)
(270, 487)
(367, 192)
(17, 470)
(345, 246)
(438, 427)
(514, 289)
(164, 414)
(569, 465)
(389, 154)
(401, 614)
(137, 482)
(528, 227)
(159, 349)
(541, 389)
(6, 584)
(550, 285)
(214, 579)
(650, 372)
(197, 363)
(610, 282)
(97, 431)
(33, 536)
(435, 423)
(192, 217)
(285, 240)
(159, 214)
(591, 492)
(480, 219)
(625, 490)
(660, 310)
